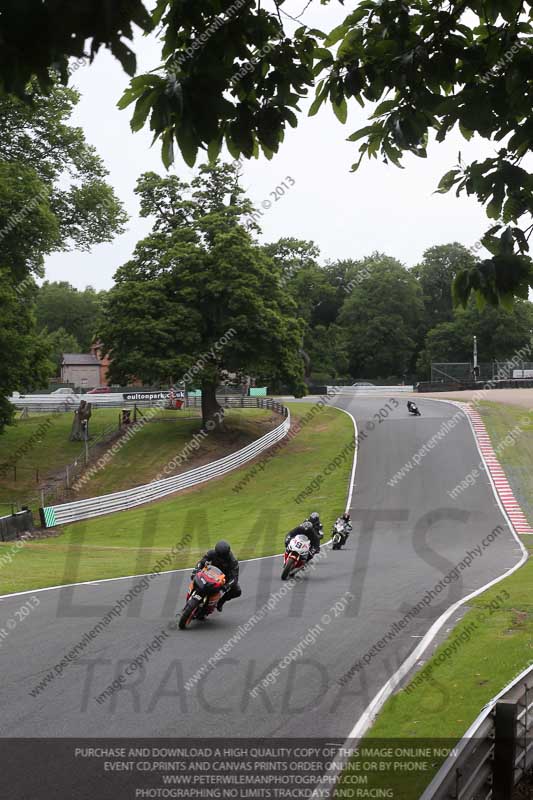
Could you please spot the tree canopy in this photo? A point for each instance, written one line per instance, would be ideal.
(233, 72)
(53, 196)
(381, 319)
(56, 167)
(61, 307)
(25, 362)
(200, 301)
(500, 334)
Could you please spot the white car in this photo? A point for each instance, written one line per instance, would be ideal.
(64, 390)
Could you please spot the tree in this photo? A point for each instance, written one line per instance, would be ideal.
(63, 309)
(500, 334)
(429, 66)
(200, 300)
(381, 320)
(25, 364)
(327, 350)
(61, 171)
(24, 207)
(39, 37)
(53, 196)
(293, 255)
(59, 342)
(318, 297)
(435, 273)
(232, 75)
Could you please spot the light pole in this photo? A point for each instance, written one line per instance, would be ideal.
(476, 369)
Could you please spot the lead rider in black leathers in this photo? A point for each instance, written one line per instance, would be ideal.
(222, 557)
(305, 529)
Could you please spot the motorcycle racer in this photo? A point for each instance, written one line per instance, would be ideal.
(222, 557)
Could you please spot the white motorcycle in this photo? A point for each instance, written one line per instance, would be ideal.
(339, 533)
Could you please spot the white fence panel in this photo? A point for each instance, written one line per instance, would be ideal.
(369, 390)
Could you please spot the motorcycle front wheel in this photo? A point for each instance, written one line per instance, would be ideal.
(287, 569)
(188, 613)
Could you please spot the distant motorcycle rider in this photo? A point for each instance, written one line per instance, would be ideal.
(314, 519)
(345, 519)
(412, 407)
(305, 529)
(222, 557)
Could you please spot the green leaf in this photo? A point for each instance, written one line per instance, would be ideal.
(447, 181)
(291, 118)
(384, 108)
(350, 47)
(187, 145)
(315, 105)
(129, 97)
(337, 33)
(341, 110)
(233, 149)
(507, 241)
(467, 134)
(322, 53)
(142, 109)
(125, 56)
(213, 150)
(361, 133)
(167, 149)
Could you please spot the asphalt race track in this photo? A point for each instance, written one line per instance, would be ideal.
(406, 538)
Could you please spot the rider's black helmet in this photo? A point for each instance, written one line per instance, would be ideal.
(306, 526)
(346, 516)
(222, 548)
(314, 517)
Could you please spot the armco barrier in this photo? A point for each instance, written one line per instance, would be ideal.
(15, 524)
(495, 752)
(121, 501)
(48, 403)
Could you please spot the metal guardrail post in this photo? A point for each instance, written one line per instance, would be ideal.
(504, 750)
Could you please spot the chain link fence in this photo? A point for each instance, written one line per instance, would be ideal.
(463, 371)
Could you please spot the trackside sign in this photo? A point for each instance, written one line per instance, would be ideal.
(152, 395)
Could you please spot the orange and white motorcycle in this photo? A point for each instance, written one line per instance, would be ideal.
(205, 590)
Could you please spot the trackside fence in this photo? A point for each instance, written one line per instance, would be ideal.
(496, 751)
(128, 498)
(369, 390)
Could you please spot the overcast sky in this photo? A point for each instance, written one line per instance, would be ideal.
(348, 215)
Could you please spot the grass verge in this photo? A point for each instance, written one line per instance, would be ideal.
(138, 460)
(143, 457)
(254, 519)
(494, 641)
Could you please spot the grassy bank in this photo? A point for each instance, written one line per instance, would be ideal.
(254, 519)
(138, 460)
(494, 638)
(41, 442)
(144, 456)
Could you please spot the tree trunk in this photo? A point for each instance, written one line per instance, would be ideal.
(212, 412)
(80, 423)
